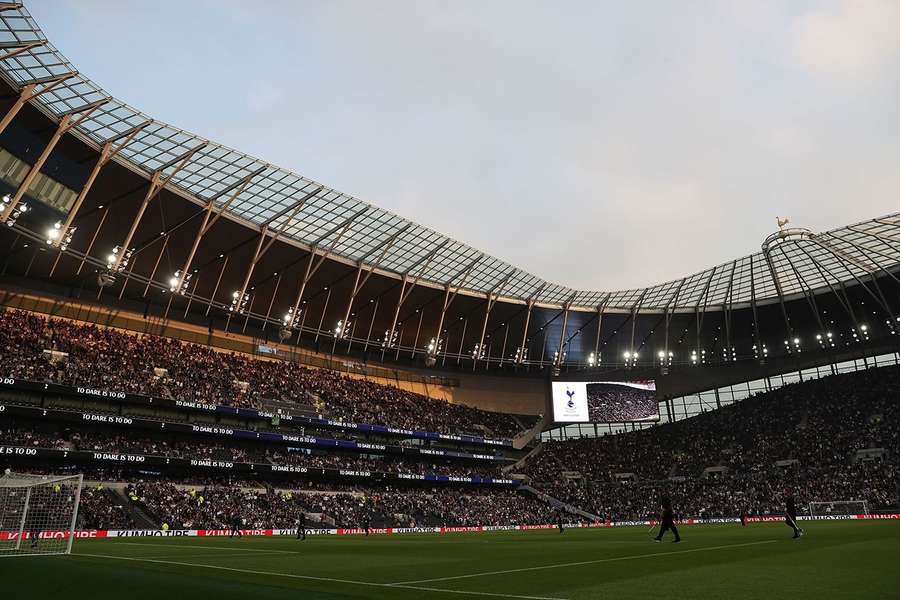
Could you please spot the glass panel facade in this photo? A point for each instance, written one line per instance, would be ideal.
(43, 189)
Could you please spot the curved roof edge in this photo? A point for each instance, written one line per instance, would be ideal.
(357, 232)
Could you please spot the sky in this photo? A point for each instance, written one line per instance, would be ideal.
(598, 144)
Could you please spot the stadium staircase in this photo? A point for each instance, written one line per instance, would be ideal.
(522, 425)
(141, 517)
(558, 504)
(519, 465)
(529, 435)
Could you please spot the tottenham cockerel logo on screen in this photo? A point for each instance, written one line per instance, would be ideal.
(569, 401)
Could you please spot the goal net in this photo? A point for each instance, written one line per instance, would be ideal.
(37, 513)
(838, 507)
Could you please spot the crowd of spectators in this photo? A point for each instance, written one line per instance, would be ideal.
(99, 508)
(614, 402)
(237, 451)
(116, 360)
(218, 507)
(800, 439)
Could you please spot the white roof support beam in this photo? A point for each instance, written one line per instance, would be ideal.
(635, 310)
(726, 310)
(263, 246)
(532, 298)
(841, 296)
(65, 124)
(463, 276)
(773, 272)
(562, 334)
(601, 308)
(107, 153)
(891, 260)
(673, 300)
(313, 265)
(697, 312)
(28, 93)
(406, 288)
(210, 216)
(844, 259)
(492, 297)
(807, 292)
(157, 182)
(16, 48)
(358, 284)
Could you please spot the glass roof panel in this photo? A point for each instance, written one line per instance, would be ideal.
(215, 171)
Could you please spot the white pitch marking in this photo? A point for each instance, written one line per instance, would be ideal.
(314, 578)
(583, 562)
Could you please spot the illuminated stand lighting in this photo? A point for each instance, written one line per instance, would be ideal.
(290, 321)
(59, 238)
(630, 358)
(825, 341)
(729, 356)
(760, 353)
(238, 303)
(665, 361)
(434, 347)
(521, 355)
(111, 258)
(478, 351)
(390, 339)
(108, 277)
(20, 210)
(179, 284)
(891, 325)
(557, 360)
(863, 333)
(592, 360)
(342, 330)
(792, 348)
(698, 358)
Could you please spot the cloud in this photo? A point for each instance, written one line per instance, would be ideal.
(601, 145)
(852, 42)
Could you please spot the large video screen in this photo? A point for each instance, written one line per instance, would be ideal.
(604, 401)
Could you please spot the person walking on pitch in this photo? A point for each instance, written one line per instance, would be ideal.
(301, 526)
(667, 521)
(790, 518)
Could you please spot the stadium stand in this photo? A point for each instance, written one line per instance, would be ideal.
(213, 507)
(110, 359)
(836, 437)
(803, 437)
(186, 447)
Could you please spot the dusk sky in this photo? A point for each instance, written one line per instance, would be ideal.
(600, 145)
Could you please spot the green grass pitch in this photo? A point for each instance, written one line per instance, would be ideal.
(834, 560)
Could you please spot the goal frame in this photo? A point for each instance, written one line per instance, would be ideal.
(30, 481)
(861, 503)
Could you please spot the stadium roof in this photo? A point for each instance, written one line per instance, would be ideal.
(791, 263)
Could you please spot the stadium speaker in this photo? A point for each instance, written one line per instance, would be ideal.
(284, 333)
(430, 361)
(105, 279)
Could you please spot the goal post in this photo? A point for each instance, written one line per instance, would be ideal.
(38, 513)
(838, 507)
